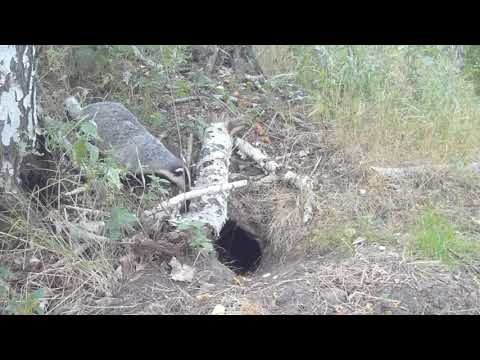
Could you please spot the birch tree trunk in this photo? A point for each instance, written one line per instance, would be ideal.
(17, 111)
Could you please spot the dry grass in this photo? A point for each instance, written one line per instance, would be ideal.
(387, 104)
(275, 60)
(41, 258)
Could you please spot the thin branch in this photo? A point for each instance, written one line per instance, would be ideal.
(248, 150)
(76, 191)
(184, 100)
(85, 210)
(188, 157)
(159, 211)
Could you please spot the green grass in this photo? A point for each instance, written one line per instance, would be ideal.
(436, 238)
(394, 103)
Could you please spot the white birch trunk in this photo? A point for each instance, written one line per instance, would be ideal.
(17, 110)
(213, 167)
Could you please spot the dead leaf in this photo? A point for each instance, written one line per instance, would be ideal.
(218, 310)
(203, 297)
(181, 272)
(265, 139)
(259, 130)
(243, 103)
(251, 309)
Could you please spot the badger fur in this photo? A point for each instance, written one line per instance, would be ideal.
(131, 143)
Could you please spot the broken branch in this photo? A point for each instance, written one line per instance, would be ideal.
(417, 170)
(245, 149)
(159, 212)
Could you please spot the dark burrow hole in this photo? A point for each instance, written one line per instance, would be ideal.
(238, 249)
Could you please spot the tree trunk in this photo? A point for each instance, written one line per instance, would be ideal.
(17, 111)
(241, 58)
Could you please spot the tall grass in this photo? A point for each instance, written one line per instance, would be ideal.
(387, 103)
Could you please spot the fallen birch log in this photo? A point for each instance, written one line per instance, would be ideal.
(408, 171)
(212, 171)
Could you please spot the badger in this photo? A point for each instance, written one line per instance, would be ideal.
(132, 145)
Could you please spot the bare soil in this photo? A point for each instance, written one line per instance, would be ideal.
(376, 280)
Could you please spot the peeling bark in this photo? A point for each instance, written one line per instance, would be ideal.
(161, 212)
(17, 110)
(211, 209)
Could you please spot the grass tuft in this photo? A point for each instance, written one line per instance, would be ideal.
(436, 238)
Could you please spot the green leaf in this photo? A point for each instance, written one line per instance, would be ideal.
(197, 237)
(189, 225)
(113, 176)
(4, 273)
(120, 217)
(94, 153)
(89, 128)
(38, 294)
(157, 120)
(3, 291)
(80, 151)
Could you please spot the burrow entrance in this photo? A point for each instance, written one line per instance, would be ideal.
(238, 249)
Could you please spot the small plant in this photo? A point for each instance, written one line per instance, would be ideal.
(86, 154)
(436, 238)
(197, 238)
(332, 237)
(157, 120)
(32, 304)
(158, 188)
(120, 219)
(83, 152)
(182, 88)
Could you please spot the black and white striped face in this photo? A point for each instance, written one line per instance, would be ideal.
(176, 176)
(179, 172)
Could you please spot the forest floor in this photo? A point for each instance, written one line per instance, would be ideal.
(359, 255)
